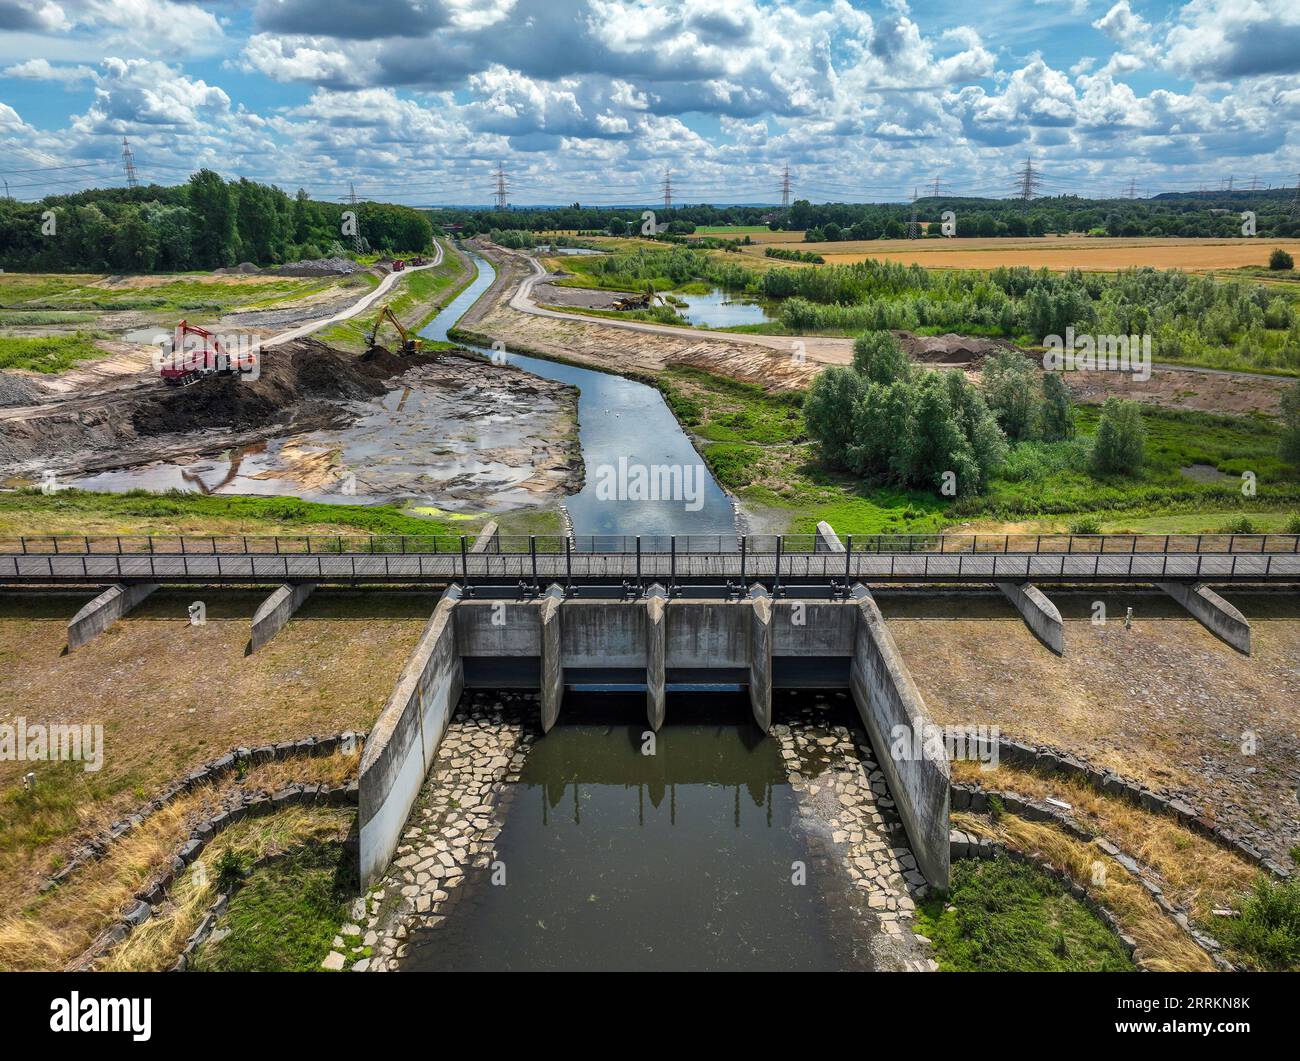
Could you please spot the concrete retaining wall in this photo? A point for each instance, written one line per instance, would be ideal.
(552, 657)
(1040, 613)
(275, 612)
(105, 610)
(1213, 612)
(890, 706)
(488, 540)
(760, 658)
(402, 744)
(656, 630)
(827, 540)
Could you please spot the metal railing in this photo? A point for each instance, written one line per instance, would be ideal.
(624, 544)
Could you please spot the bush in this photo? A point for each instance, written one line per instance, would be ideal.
(1009, 389)
(1056, 416)
(1086, 525)
(1120, 444)
(1268, 930)
(1289, 447)
(1293, 527)
(1240, 525)
(1280, 260)
(878, 358)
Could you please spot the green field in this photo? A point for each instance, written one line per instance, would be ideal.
(48, 353)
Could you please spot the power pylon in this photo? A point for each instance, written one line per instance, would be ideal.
(914, 226)
(1295, 201)
(667, 187)
(936, 187)
(785, 189)
(128, 164)
(1028, 183)
(501, 189)
(1132, 188)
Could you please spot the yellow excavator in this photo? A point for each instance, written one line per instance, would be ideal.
(409, 345)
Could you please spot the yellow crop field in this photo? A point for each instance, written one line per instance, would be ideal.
(1054, 252)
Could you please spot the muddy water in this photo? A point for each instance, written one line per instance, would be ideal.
(611, 859)
(623, 425)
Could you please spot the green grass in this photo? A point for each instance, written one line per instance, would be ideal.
(1267, 934)
(183, 294)
(1003, 916)
(728, 230)
(52, 808)
(30, 318)
(140, 507)
(755, 443)
(48, 353)
(416, 300)
(285, 915)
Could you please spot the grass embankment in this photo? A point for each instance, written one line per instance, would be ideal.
(170, 695)
(415, 300)
(50, 930)
(184, 292)
(84, 512)
(285, 915)
(756, 444)
(1005, 916)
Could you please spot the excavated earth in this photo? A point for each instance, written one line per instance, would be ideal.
(303, 385)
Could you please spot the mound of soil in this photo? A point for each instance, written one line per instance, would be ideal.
(949, 349)
(15, 390)
(305, 370)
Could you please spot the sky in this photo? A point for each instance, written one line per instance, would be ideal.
(593, 101)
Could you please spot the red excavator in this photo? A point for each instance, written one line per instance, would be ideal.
(197, 352)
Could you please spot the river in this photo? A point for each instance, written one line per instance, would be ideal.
(682, 859)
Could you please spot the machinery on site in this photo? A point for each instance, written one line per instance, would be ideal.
(197, 352)
(399, 264)
(409, 344)
(642, 301)
(419, 260)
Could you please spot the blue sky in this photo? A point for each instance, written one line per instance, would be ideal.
(591, 100)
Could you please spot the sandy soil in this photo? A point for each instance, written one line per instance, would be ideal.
(1165, 702)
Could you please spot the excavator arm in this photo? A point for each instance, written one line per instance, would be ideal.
(409, 345)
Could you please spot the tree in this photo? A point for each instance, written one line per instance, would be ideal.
(213, 213)
(1010, 392)
(134, 246)
(1289, 449)
(1120, 445)
(878, 357)
(1279, 259)
(828, 410)
(1056, 416)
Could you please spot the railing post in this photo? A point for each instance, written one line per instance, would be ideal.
(464, 563)
(744, 544)
(532, 551)
(672, 562)
(568, 565)
(776, 582)
(848, 562)
(638, 561)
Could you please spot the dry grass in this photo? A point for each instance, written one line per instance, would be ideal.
(1162, 945)
(54, 928)
(1165, 702)
(171, 696)
(1053, 252)
(1194, 872)
(157, 943)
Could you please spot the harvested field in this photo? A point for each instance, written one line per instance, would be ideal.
(1165, 702)
(1058, 253)
(171, 696)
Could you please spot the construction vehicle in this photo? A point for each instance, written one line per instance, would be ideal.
(419, 260)
(197, 352)
(642, 301)
(409, 345)
(399, 264)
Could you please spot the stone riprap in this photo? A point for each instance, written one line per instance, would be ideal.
(454, 823)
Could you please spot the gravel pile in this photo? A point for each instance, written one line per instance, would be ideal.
(318, 267)
(16, 390)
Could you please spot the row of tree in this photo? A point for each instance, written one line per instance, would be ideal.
(206, 223)
(1212, 214)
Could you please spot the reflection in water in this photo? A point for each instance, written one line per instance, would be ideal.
(718, 309)
(615, 859)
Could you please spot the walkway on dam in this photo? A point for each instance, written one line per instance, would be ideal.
(707, 560)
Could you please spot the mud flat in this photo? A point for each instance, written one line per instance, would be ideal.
(455, 431)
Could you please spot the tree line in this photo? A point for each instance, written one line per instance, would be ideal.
(206, 223)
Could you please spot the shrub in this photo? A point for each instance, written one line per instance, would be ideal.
(1280, 260)
(1010, 392)
(1086, 525)
(1056, 417)
(1120, 443)
(1289, 447)
(1293, 527)
(1268, 930)
(878, 358)
(1240, 525)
